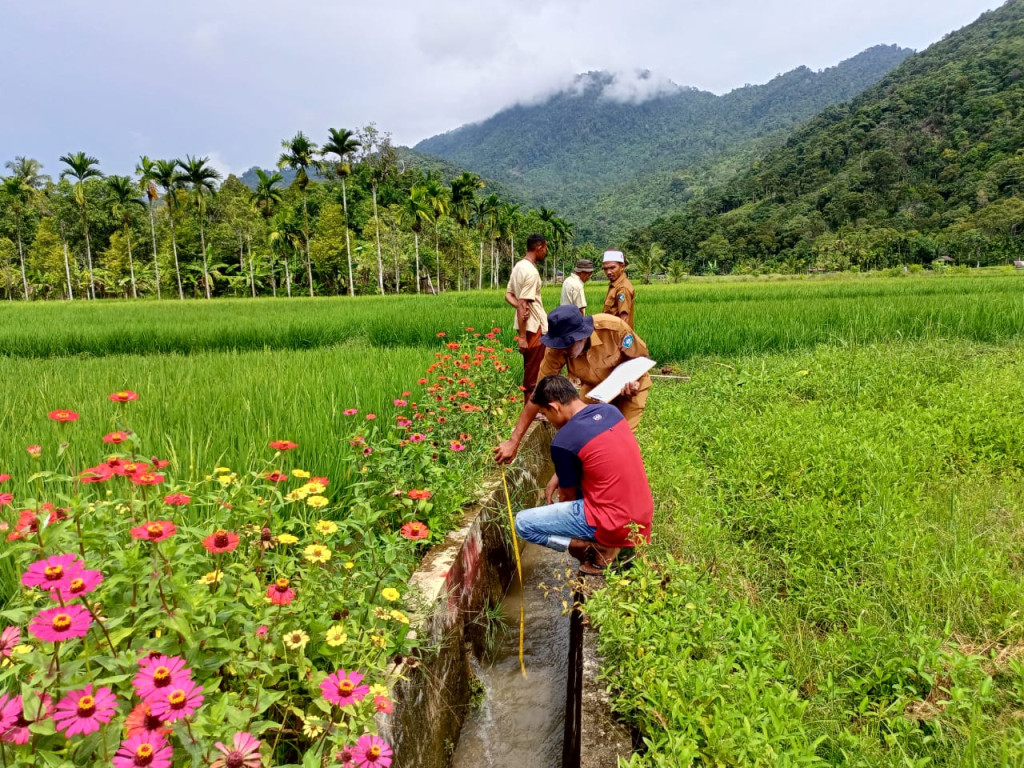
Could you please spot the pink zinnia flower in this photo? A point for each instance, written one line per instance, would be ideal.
(244, 754)
(63, 415)
(342, 688)
(6, 499)
(283, 445)
(155, 530)
(280, 593)
(83, 711)
(455, 445)
(399, 402)
(261, 631)
(415, 531)
(371, 416)
(177, 703)
(115, 438)
(10, 638)
(372, 751)
(383, 704)
(417, 437)
(221, 541)
(141, 721)
(84, 583)
(177, 500)
(54, 625)
(16, 723)
(4, 478)
(159, 674)
(144, 749)
(350, 411)
(124, 396)
(35, 451)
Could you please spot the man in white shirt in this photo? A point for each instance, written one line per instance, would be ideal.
(531, 321)
(572, 287)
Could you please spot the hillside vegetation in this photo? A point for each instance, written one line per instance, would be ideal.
(927, 163)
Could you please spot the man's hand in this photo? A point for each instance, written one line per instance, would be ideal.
(552, 487)
(523, 343)
(630, 389)
(506, 451)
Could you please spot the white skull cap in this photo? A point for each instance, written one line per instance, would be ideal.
(614, 256)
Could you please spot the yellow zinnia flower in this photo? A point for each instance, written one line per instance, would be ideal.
(326, 527)
(287, 538)
(379, 640)
(390, 594)
(296, 639)
(315, 487)
(317, 553)
(317, 502)
(336, 636)
(349, 565)
(310, 729)
(301, 473)
(378, 690)
(226, 480)
(222, 470)
(213, 577)
(399, 616)
(380, 613)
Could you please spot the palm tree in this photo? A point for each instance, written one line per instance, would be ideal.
(28, 170)
(122, 196)
(490, 213)
(265, 198)
(508, 221)
(16, 190)
(342, 142)
(561, 235)
(547, 215)
(379, 156)
(300, 155)
(82, 167)
(286, 234)
(416, 213)
(167, 176)
(201, 177)
(439, 203)
(147, 184)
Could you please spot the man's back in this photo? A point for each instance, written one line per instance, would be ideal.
(573, 292)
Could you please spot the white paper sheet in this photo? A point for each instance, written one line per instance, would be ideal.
(631, 370)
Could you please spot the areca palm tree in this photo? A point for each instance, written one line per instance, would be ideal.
(490, 213)
(508, 221)
(416, 213)
(122, 196)
(439, 203)
(146, 169)
(287, 235)
(300, 155)
(15, 189)
(265, 198)
(81, 167)
(201, 179)
(166, 175)
(463, 199)
(342, 142)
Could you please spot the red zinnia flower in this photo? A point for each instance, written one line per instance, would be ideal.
(280, 593)
(342, 688)
(371, 416)
(63, 415)
(129, 468)
(83, 711)
(124, 396)
(54, 572)
(27, 523)
(441, 335)
(283, 445)
(177, 499)
(421, 382)
(382, 704)
(160, 674)
(55, 625)
(159, 463)
(144, 749)
(419, 494)
(244, 754)
(4, 478)
(321, 480)
(453, 345)
(141, 721)
(98, 474)
(275, 477)
(220, 541)
(147, 478)
(35, 451)
(415, 531)
(115, 438)
(6, 499)
(156, 530)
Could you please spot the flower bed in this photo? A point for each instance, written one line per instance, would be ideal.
(240, 619)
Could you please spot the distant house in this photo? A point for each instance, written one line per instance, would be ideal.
(1019, 264)
(946, 260)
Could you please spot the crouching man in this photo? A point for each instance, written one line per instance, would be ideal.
(601, 483)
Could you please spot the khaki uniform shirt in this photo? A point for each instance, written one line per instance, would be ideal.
(524, 283)
(620, 299)
(573, 292)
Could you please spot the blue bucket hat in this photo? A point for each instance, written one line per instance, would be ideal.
(566, 326)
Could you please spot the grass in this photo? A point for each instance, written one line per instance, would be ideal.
(836, 576)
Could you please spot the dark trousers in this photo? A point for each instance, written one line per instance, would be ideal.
(532, 357)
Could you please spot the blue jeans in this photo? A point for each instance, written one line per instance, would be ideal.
(554, 525)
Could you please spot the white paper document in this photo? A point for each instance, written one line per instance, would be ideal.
(631, 370)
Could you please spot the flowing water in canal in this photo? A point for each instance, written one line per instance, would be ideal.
(521, 722)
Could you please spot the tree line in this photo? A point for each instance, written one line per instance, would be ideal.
(358, 216)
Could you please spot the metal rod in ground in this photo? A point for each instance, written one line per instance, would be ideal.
(519, 570)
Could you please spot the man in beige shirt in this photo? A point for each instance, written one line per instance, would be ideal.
(531, 321)
(573, 291)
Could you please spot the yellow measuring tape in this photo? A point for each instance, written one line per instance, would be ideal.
(519, 569)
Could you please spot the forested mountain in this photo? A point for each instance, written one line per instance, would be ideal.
(927, 163)
(598, 134)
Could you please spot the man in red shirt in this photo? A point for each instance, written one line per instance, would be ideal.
(605, 501)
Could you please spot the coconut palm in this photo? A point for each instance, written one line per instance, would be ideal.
(300, 155)
(201, 179)
(508, 221)
(18, 193)
(166, 175)
(265, 199)
(146, 169)
(489, 214)
(342, 142)
(28, 170)
(439, 203)
(121, 196)
(81, 167)
(286, 234)
(416, 213)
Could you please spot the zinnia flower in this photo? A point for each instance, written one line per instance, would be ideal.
(342, 688)
(159, 463)
(300, 473)
(417, 437)
(83, 711)
(372, 751)
(141, 721)
(455, 445)
(4, 478)
(115, 438)
(371, 416)
(390, 594)
(35, 451)
(176, 703)
(399, 617)
(320, 481)
(326, 527)
(129, 468)
(52, 573)
(220, 541)
(399, 402)
(84, 583)
(419, 494)
(317, 553)
(177, 500)
(283, 445)
(382, 704)
(98, 474)
(124, 396)
(287, 538)
(6, 499)
(280, 593)
(144, 749)
(275, 477)
(63, 415)
(415, 531)
(15, 720)
(295, 640)
(245, 752)
(158, 674)
(156, 530)
(211, 577)
(10, 639)
(336, 636)
(317, 502)
(350, 411)
(54, 625)
(147, 478)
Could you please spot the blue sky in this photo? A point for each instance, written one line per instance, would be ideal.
(230, 79)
